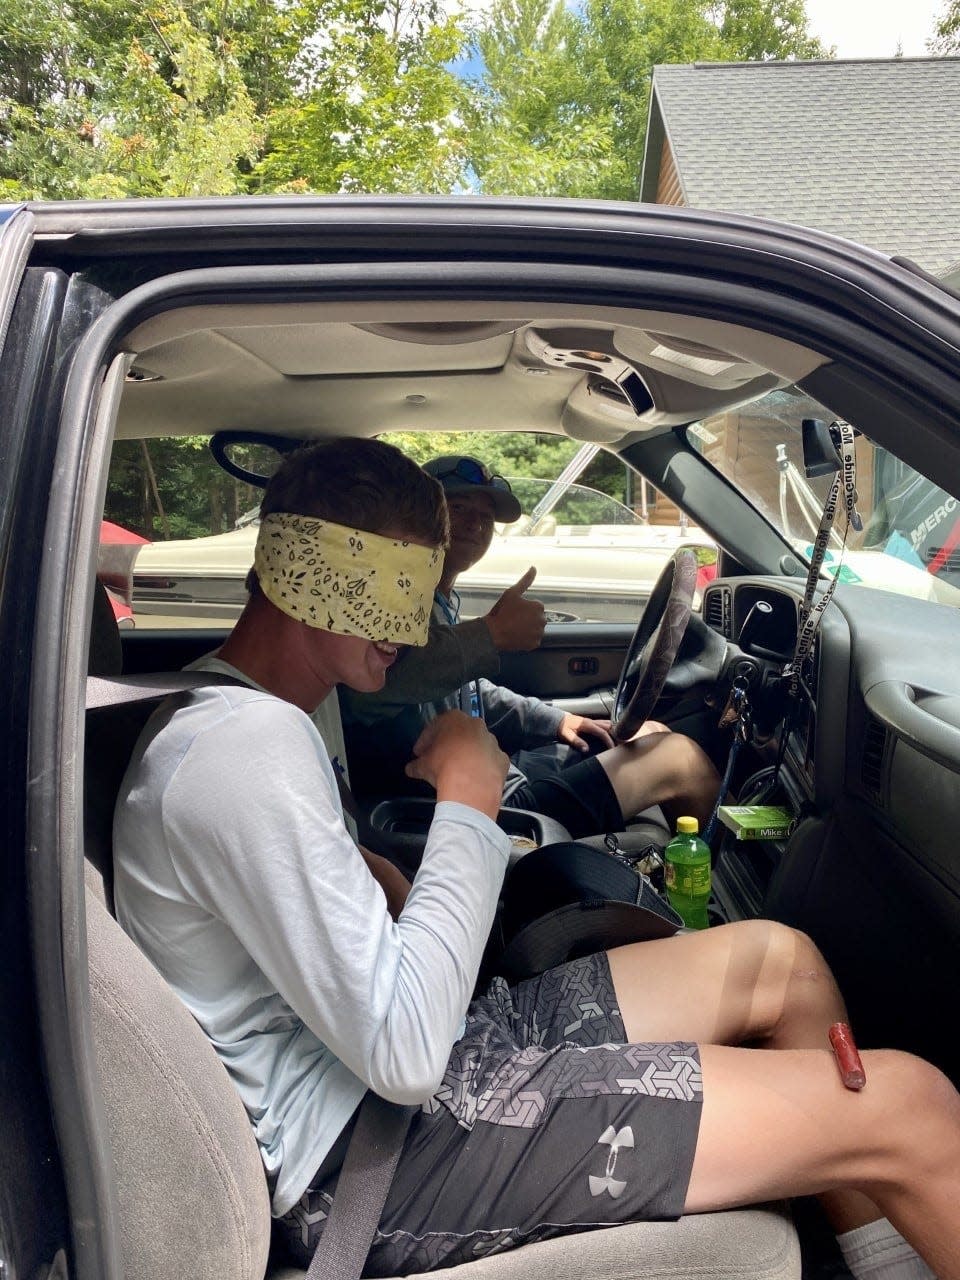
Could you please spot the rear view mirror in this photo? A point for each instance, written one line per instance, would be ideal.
(251, 456)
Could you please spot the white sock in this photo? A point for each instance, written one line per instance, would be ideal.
(878, 1252)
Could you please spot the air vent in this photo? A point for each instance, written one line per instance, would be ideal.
(813, 668)
(716, 610)
(600, 387)
(874, 751)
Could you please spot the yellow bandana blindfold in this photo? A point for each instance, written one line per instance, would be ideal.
(345, 580)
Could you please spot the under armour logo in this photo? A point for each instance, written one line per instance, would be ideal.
(614, 1139)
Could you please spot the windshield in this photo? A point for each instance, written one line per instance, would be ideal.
(910, 541)
(577, 505)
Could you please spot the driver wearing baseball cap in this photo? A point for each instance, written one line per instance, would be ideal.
(461, 474)
(553, 770)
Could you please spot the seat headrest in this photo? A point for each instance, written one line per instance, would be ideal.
(105, 656)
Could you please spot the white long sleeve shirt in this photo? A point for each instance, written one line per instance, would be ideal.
(235, 874)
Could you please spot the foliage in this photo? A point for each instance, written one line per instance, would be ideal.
(123, 100)
(213, 97)
(379, 110)
(173, 488)
(532, 131)
(510, 453)
(515, 453)
(764, 30)
(564, 95)
(946, 36)
(113, 98)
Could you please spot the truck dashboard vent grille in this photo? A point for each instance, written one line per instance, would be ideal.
(874, 754)
(716, 610)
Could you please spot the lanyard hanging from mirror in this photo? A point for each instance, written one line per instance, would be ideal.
(843, 490)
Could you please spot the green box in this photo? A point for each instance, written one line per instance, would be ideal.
(757, 821)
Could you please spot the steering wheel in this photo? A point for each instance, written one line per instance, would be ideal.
(654, 645)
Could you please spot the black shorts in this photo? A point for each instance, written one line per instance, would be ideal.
(569, 787)
(546, 1123)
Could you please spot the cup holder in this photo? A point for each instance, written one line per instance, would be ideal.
(401, 825)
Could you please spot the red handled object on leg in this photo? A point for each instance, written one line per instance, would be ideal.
(848, 1059)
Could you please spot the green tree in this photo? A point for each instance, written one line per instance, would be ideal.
(507, 453)
(579, 115)
(133, 100)
(183, 119)
(946, 36)
(531, 131)
(764, 30)
(109, 98)
(173, 488)
(379, 110)
(516, 454)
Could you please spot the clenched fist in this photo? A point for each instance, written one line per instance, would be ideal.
(461, 759)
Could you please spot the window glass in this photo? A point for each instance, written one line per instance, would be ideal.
(174, 549)
(179, 532)
(596, 558)
(910, 541)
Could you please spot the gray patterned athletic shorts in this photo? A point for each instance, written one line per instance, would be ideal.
(546, 1123)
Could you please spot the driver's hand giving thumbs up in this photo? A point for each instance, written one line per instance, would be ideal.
(515, 623)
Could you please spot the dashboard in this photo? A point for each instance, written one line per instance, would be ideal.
(877, 718)
(871, 765)
(760, 619)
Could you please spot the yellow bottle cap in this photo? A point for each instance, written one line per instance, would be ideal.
(687, 826)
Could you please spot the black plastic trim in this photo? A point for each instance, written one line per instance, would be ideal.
(55, 762)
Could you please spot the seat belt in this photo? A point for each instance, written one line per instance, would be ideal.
(362, 1188)
(378, 1136)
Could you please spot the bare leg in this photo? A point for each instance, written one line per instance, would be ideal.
(667, 769)
(756, 982)
(781, 1124)
(650, 726)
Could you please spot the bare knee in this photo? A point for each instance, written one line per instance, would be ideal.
(920, 1133)
(924, 1097)
(780, 949)
(690, 781)
(691, 761)
(794, 995)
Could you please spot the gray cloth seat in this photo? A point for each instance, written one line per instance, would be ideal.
(759, 1243)
(190, 1188)
(191, 1192)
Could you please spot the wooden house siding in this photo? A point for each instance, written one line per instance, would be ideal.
(669, 190)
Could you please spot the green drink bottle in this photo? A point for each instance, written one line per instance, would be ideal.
(687, 874)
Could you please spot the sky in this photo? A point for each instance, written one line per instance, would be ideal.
(872, 28)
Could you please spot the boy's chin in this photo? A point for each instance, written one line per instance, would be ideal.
(368, 682)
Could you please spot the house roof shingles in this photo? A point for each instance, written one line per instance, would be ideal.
(869, 150)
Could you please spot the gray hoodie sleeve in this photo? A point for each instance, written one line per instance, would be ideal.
(452, 657)
(517, 722)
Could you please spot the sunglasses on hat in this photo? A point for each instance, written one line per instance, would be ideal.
(468, 470)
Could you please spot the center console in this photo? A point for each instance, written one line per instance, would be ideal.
(401, 826)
